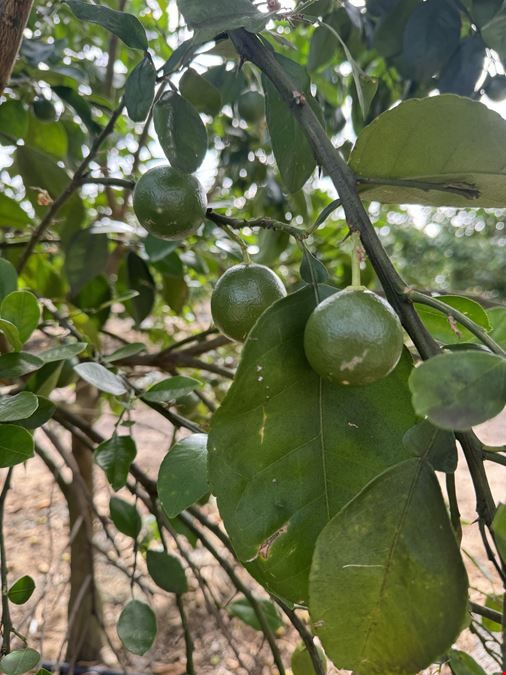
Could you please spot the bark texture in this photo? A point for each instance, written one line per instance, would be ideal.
(13, 17)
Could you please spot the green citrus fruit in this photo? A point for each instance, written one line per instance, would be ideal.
(169, 203)
(241, 294)
(353, 337)
(495, 88)
(251, 107)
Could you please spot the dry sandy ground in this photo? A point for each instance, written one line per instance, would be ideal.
(37, 544)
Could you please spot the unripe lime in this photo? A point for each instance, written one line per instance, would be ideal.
(251, 107)
(495, 88)
(241, 294)
(169, 203)
(353, 337)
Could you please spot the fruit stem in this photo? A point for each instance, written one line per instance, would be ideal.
(356, 258)
(242, 244)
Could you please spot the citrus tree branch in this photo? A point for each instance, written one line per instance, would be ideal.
(250, 48)
(69, 190)
(6, 617)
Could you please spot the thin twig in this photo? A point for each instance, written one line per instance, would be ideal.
(6, 617)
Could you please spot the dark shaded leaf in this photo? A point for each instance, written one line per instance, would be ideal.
(139, 279)
(17, 364)
(140, 90)
(125, 517)
(431, 36)
(85, 258)
(209, 19)
(22, 309)
(200, 92)
(16, 445)
(436, 446)
(115, 457)
(242, 609)
(291, 148)
(166, 571)
(182, 479)
(126, 26)
(463, 70)
(181, 132)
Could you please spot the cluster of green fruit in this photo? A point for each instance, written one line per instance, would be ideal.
(354, 337)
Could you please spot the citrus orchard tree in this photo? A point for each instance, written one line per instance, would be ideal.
(157, 155)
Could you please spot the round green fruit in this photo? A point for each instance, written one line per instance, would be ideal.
(241, 294)
(495, 88)
(353, 337)
(169, 204)
(251, 107)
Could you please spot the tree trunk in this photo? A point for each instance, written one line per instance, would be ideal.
(84, 632)
(13, 17)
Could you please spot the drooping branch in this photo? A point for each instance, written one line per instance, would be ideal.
(69, 190)
(250, 48)
(6, 617)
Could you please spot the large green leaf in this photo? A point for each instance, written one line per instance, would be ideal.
(459, 390)
(85, 258)
(431, 36)
(41, 172)
(310, 446)
(388, 588)
(291, 148)
(242, 609)
(497, 317)
(139, 279)
(200, 92)
(19, 661)
(137, 627)
(464, 664)
(49, 137)
(434, 139)
(436, 445)
(499, 530)
(494, 33)
(125, 516)
(115, 456)
(181, 132)
(208, 19)
(166, 571)
(21, 309)
(182, 479)
(21, 590)
(170, 389)
(8, 278)
(450, 331)
(101, 378)
(11, 214)
(16, 445)
(18, 364)
(126, 26)
(13, 120)
(18, 407)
